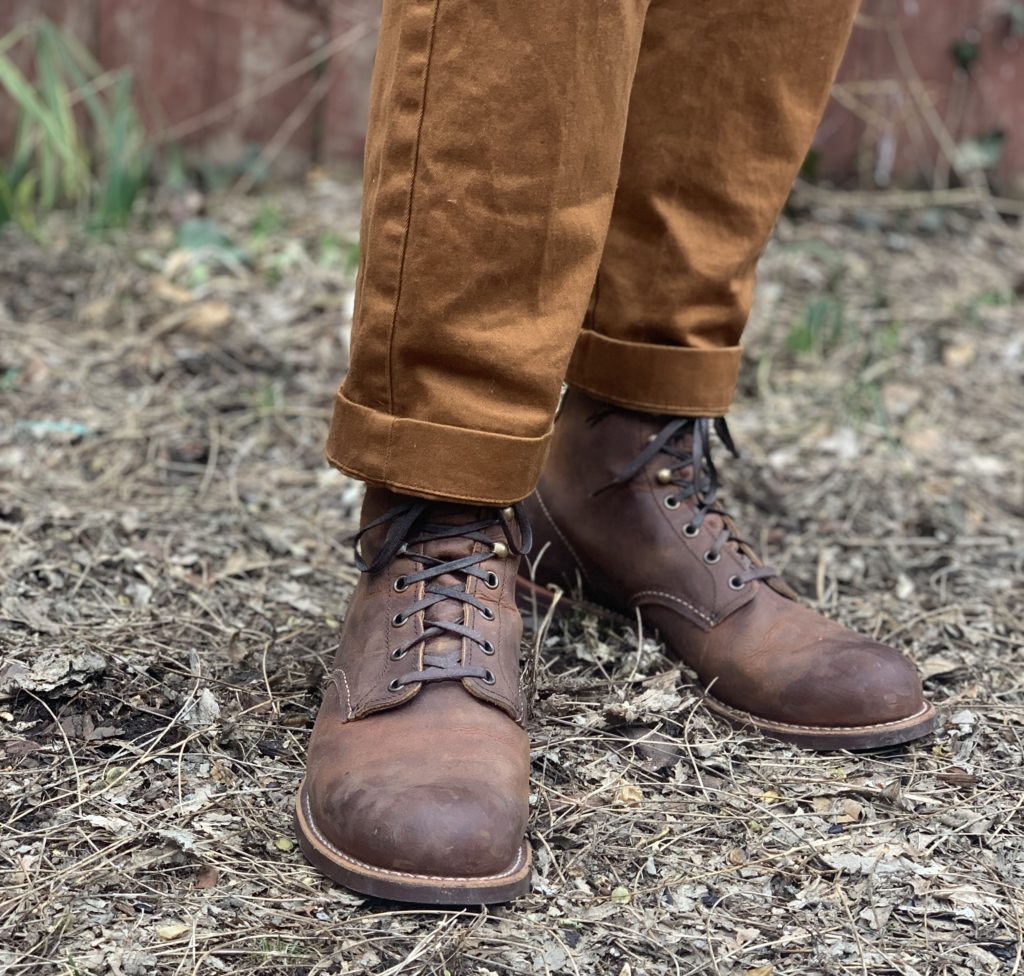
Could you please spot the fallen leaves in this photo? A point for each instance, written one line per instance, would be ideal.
(194, 543)
(50, 668)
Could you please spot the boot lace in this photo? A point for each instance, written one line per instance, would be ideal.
(693, 473)
(409, 525)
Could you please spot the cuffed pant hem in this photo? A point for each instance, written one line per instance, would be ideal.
(431, 460)
(655, 378)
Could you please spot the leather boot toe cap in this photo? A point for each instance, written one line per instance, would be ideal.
(450, 827)
(851, 681)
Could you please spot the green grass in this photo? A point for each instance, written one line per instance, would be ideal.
(819, 328)
(78, 139)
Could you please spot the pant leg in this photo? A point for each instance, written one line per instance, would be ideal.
(493, 152)
(725, 102)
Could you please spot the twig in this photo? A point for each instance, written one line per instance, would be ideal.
(265, 87)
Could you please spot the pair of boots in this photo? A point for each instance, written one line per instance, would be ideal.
(419, 761)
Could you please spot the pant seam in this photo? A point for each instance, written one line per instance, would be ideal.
(409, 207)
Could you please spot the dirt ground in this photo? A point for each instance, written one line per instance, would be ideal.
(174, 570)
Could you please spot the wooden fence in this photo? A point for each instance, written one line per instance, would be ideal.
(928, 86)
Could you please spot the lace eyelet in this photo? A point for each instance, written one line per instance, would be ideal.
(671, 501)
(394, 686)
(400, 584)
(488, 678)
(487, 613)
(492, 582)
(399, 620)
(398, 653)
(712, 557)
(691, 531)
(487, 647)
(735, 583)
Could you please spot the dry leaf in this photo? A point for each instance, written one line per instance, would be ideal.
(208, 317)
(170, 292)
(207, 877)
(630, 795)
(620, 895)
(958, 777)
(172, 931)
(959, 355)
(935, 666)
(850, 811)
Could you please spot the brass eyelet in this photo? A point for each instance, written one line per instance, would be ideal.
(487, 613)
(492, 582)
(399, 620)
(671, 501)
(712, 557)
(736, 583)
(487, 647)
(488, 678)
(400, 584)
(691, 531)
(394, 686)
(664, 476)
(500, 550)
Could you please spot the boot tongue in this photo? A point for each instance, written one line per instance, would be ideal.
(448, 549)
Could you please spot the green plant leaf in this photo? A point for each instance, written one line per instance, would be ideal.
(79, 140)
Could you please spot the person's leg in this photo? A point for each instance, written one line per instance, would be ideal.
(725, 102)
(727, 96)
(493, 153)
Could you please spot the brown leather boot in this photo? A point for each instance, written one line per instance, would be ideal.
(418, 776)
(626, 517)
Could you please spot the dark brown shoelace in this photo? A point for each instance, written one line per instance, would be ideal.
(693, 473)
(409, 525)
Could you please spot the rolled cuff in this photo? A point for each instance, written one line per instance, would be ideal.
(654, 378)
(431, 460)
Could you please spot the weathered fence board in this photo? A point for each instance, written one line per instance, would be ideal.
(230, 77)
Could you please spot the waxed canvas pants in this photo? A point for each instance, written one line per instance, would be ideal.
(564, 190)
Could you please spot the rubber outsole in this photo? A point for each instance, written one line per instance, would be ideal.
(534, 599)
(420, 889)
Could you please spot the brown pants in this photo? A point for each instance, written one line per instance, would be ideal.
(564, 190)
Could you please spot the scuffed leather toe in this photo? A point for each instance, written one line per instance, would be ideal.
(851, 681)
(425, 829)
(449, 800)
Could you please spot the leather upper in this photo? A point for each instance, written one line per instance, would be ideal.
(428, 779)
(751, 643)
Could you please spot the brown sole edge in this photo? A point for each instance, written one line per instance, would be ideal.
(402, 886)
(823, 738)
(533, 598)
